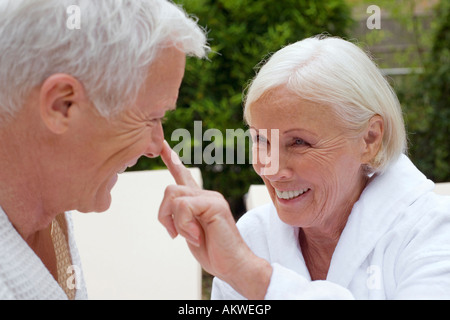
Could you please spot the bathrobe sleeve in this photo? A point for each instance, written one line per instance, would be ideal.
(278, 246)
(5, 293)
(286, 284)
(422, 270)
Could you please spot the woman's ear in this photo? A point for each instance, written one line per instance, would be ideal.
(373, 139)
(60, 96)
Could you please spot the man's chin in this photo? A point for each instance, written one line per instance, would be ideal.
(102, 200)
(99, 205)
(104, 204)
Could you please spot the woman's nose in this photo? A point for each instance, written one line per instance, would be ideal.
(278, 175)
(275, 170)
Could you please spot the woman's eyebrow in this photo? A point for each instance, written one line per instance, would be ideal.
(265, 131)
(299, 129)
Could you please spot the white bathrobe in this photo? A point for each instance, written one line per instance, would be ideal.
(23, 276)
(395, 245)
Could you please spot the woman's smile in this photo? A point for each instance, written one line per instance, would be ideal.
(292, 194)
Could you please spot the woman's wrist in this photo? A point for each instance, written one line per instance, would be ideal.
(252, 278)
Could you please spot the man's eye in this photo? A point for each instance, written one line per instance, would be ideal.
(156, 120)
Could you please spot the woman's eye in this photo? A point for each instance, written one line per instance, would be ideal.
(299, 142)
(259, 139)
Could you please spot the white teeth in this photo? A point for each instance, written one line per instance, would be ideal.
(290, 194)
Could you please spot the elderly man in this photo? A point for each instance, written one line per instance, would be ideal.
(77, 107)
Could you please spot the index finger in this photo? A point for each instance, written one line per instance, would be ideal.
(180, 173)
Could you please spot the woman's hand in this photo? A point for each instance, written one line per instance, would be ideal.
(204, 219)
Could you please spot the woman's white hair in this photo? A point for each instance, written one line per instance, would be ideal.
(109, 54)
(336, 73)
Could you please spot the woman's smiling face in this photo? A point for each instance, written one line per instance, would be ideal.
(319, 176)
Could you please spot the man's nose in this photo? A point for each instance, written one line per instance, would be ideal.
(156, 144)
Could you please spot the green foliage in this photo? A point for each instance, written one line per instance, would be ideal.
(428, 105)
(241, 33)
(424, 96)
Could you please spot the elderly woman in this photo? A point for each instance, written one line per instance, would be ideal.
(351, 216)
(77, 107)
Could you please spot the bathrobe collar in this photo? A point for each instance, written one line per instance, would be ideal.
(381, 202)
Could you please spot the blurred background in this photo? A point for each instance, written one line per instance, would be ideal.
(411, 46)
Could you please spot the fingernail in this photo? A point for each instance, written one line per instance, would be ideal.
(172, 234)
(194, 242)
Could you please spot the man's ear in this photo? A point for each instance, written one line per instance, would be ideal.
(373, 139)
(60, 97)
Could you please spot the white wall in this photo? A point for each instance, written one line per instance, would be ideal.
(127, 254)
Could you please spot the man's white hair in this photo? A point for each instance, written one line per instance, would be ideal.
(333, 72)
(109, 54)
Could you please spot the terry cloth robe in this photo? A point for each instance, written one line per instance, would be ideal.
(395, 245)
(23, 276)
